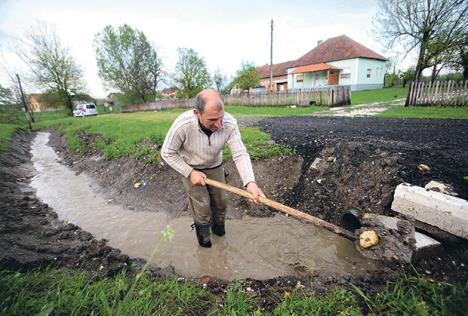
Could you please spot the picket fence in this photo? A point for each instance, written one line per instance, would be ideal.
(329, 96)
(440, 93)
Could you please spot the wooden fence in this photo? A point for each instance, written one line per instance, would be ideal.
(445, 93)
(330, 96)
(159, 105)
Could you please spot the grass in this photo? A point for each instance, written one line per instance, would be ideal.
(66, 292)
(378, 95)
(139, 134)
(6, 133)
(426, 112)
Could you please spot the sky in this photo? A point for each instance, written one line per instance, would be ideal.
(224, 33)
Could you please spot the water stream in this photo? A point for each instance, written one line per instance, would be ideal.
(259, 248)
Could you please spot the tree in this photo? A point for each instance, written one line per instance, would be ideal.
(127, 62)
(219, 80)
(459, 58)
(247, 77)
(431, 27)
(408, 75)
(53, 68)
(191, 74)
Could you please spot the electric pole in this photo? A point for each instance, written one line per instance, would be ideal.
(271, 57)
(27, 111)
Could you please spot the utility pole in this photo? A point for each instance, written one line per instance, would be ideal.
(27, 112)
(271, 57)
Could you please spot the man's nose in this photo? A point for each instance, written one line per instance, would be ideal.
(218, 123)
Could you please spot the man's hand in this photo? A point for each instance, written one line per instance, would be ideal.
(197, 177)
(253, 189)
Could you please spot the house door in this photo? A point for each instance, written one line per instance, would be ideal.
(333, 77)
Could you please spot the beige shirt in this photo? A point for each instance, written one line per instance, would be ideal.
(187, 147)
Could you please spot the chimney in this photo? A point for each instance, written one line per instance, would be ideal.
(319, 43)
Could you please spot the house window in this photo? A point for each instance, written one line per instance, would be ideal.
(299, 78)
(369, 71)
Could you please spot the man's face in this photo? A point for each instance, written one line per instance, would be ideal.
(211, 118)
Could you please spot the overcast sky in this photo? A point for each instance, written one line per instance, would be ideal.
(223, 33)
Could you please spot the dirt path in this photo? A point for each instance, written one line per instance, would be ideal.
(360, 110)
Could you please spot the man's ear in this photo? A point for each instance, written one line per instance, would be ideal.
(196, 112)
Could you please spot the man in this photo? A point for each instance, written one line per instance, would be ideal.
(193, 147)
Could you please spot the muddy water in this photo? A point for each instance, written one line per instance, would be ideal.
(258, 248)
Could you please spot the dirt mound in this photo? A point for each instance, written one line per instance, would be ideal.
(346, 176)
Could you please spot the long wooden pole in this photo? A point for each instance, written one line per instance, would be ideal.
(285, 209)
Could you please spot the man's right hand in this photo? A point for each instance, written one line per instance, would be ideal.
(197, 177)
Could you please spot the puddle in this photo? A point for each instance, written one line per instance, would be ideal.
(258, 248)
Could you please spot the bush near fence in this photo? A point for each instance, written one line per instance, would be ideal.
(440, 93)
(329, 96)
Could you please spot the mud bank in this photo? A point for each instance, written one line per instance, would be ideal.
(31, 236)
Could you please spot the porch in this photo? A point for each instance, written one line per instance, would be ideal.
(315, 75)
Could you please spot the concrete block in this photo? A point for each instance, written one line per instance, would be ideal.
(426, 246)
(440, 210)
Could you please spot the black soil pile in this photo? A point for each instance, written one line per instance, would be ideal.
(364, 159)
(31, 236)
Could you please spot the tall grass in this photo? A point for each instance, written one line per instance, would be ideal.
(65, 292)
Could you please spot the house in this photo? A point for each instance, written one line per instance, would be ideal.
(169, 92)
(36, 103)
(336, 61)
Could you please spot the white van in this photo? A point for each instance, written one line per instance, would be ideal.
(83, 110)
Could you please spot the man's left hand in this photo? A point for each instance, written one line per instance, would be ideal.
(253, 189)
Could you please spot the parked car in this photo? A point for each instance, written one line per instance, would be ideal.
(83, 110)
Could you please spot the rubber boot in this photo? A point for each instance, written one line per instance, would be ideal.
(218, 229)
(203, 234)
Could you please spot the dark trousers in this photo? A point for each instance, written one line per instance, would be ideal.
(208, 204)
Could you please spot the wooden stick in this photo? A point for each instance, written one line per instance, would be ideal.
(285, 209)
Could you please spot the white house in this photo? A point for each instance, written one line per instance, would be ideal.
(336, 61)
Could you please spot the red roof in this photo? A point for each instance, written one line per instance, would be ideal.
(278, 69)
(337, 48)
(313, 68)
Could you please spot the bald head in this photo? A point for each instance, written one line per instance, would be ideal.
(209, 98)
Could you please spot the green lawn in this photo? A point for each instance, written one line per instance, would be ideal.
(128, 134)
(6, 133)
(65, 292)
(378, 95)
(426, 112)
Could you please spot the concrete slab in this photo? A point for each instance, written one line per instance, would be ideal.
(425, 246)
(440, 210)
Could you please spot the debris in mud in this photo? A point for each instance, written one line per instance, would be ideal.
(440, 187)
(396, 240)
(424, 168)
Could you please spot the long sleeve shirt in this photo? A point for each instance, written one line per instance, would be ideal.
(187, 147)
